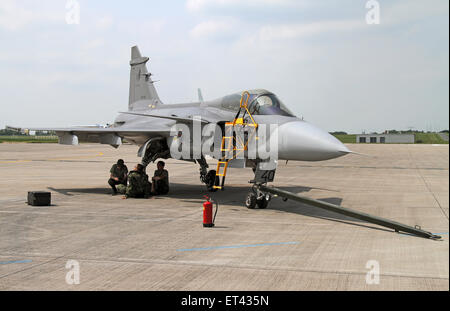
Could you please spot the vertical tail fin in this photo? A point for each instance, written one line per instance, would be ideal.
(143, 94)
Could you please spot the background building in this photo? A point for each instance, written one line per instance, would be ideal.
(385, 138)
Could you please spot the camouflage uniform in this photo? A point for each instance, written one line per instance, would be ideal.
(122, 189)
(138, 185)
(119, 172)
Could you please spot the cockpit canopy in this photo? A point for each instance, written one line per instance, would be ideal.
(261, 102)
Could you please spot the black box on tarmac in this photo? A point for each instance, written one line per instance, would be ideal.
(39, 198)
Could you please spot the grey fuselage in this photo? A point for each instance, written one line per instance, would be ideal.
(297, 139)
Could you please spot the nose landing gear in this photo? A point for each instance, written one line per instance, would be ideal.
(257, 198)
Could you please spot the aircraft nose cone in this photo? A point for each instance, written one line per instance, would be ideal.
(299, 140)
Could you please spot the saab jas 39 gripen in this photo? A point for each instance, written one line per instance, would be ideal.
(239, 121)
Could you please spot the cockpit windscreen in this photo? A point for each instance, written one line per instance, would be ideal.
(268, 104)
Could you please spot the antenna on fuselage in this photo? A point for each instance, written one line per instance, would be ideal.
(200, 95)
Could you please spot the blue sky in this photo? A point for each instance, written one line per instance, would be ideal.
(319, 57)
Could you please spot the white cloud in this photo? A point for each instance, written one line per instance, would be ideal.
(105, 23)
(198, 5)
(14, 16)
(213, 28)
(142, 28)
(398, 13)
(290, 31)
(411, 10)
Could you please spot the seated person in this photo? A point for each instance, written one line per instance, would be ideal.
(138, 184)
(118, 175)
(160, 184)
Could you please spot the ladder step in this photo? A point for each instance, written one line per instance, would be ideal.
(234, 146)
(224, 143)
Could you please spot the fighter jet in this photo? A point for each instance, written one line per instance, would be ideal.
(152, 126)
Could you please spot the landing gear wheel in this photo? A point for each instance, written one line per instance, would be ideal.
(250, 201)
(262, 203)
(212, 180)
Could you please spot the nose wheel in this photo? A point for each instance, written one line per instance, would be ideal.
(258, 199)
(263, 202)
(250, 201)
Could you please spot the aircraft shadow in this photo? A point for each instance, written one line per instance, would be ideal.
(194, 194)
(303, 209)
(69, 192)
(235, 195)
(310, 211)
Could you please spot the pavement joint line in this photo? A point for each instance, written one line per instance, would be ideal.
(72, 234)
(72, 159)
(15, 161)
(426, 184)
(166, 220)
(236, 246)
(232, 266)
(375, 167)
(15, 261)
(190, 217)
(118, 220)
(28, 268)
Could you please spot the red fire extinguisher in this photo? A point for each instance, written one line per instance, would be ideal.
(208, 219)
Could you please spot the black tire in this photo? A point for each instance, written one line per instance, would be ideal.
(212, 180)
(250, 201)
(262, 203)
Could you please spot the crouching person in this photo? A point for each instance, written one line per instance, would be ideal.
(138, 184)
(118, 176)
(160, 180)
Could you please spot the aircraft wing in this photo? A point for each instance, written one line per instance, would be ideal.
(109, 135)
(102, 130)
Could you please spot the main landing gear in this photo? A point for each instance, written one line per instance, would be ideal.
(209, 178)
(152, 150)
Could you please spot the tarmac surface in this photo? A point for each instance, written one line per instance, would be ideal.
(160, 243)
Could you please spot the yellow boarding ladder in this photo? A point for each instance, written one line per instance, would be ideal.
(232, 145)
